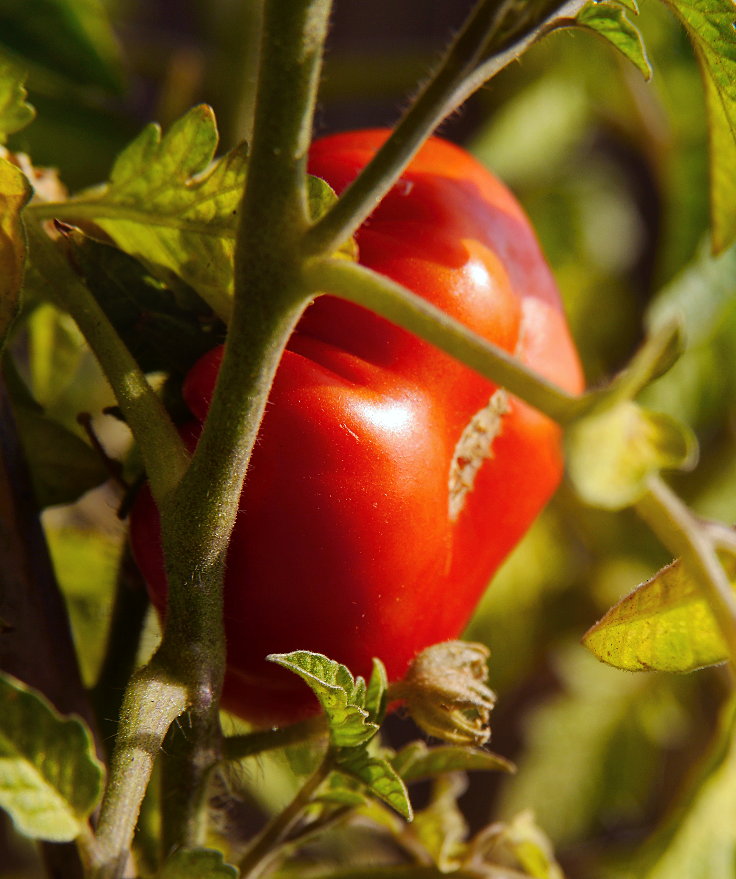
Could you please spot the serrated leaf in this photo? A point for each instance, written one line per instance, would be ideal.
(164, 329)
(14, 193)
(379, 777)
(197, 863)
(416, 761)
(341, 696)
(51, 780)
(174, 208)
(612, 452)
(611, 22)
(666, 624)
(376, 694)
(710, 27)
(72, 39)
(15, 111)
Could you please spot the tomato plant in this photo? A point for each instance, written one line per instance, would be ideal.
(341, 371)
(388, 481)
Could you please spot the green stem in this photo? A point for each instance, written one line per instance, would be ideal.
(240, 746)
(365, 287)
(264, 847)
(152, 702)
(462, 71)
(681, 532)
(161, 447)
(426, 112)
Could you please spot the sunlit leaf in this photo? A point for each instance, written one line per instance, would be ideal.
(613, 451)
(666, 624)
(379, 777)
(523, 839)
(51, 780)
(342, 697)
(416, 761)
(710, 26)
(71, 38)
(611, 22)
(14, 193)
(197, 863)
(171, 206)
(15, 111)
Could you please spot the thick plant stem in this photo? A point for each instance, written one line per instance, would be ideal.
(365, 287)
(152, 702)
(249, 744)
(682, 533)
(197, 519)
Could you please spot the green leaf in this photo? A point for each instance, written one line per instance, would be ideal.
(376, 695)
(174, 208)
(710, 26)
(530, 847)
(342, 697)
(416, 761)
(666, 625)
(702, 844)
(51, 779)
(321, 197)
(441, 827)
(164, 329)
(15, 112)
(14, 193)
(71, 38)
(612, 452)
(197, 863)
(379, 777)
(610, 21)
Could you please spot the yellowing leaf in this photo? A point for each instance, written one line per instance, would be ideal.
(15, 112)
(666, 624)
(710, 26)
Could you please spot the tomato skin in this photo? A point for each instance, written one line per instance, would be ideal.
(345, 543)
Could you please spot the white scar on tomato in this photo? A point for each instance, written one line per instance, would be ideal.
(473, 448)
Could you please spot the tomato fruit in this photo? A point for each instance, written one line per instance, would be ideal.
(388, 481)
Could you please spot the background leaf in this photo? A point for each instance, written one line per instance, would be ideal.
(197, 863)
(51, 778)
(710, 26)
(71, 38)
(15, 111)
(14, 193)
(613, 451)
(416, 761)
(665, 625)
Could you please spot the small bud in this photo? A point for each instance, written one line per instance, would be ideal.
(446, 694)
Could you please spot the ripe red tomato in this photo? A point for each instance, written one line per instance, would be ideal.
(385, 489)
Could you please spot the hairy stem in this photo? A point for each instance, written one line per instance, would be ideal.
(246, 745)
(162, 450)
(681, 532)
(365, 287)
(264, 848)
(470, 61)
(152, 702)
